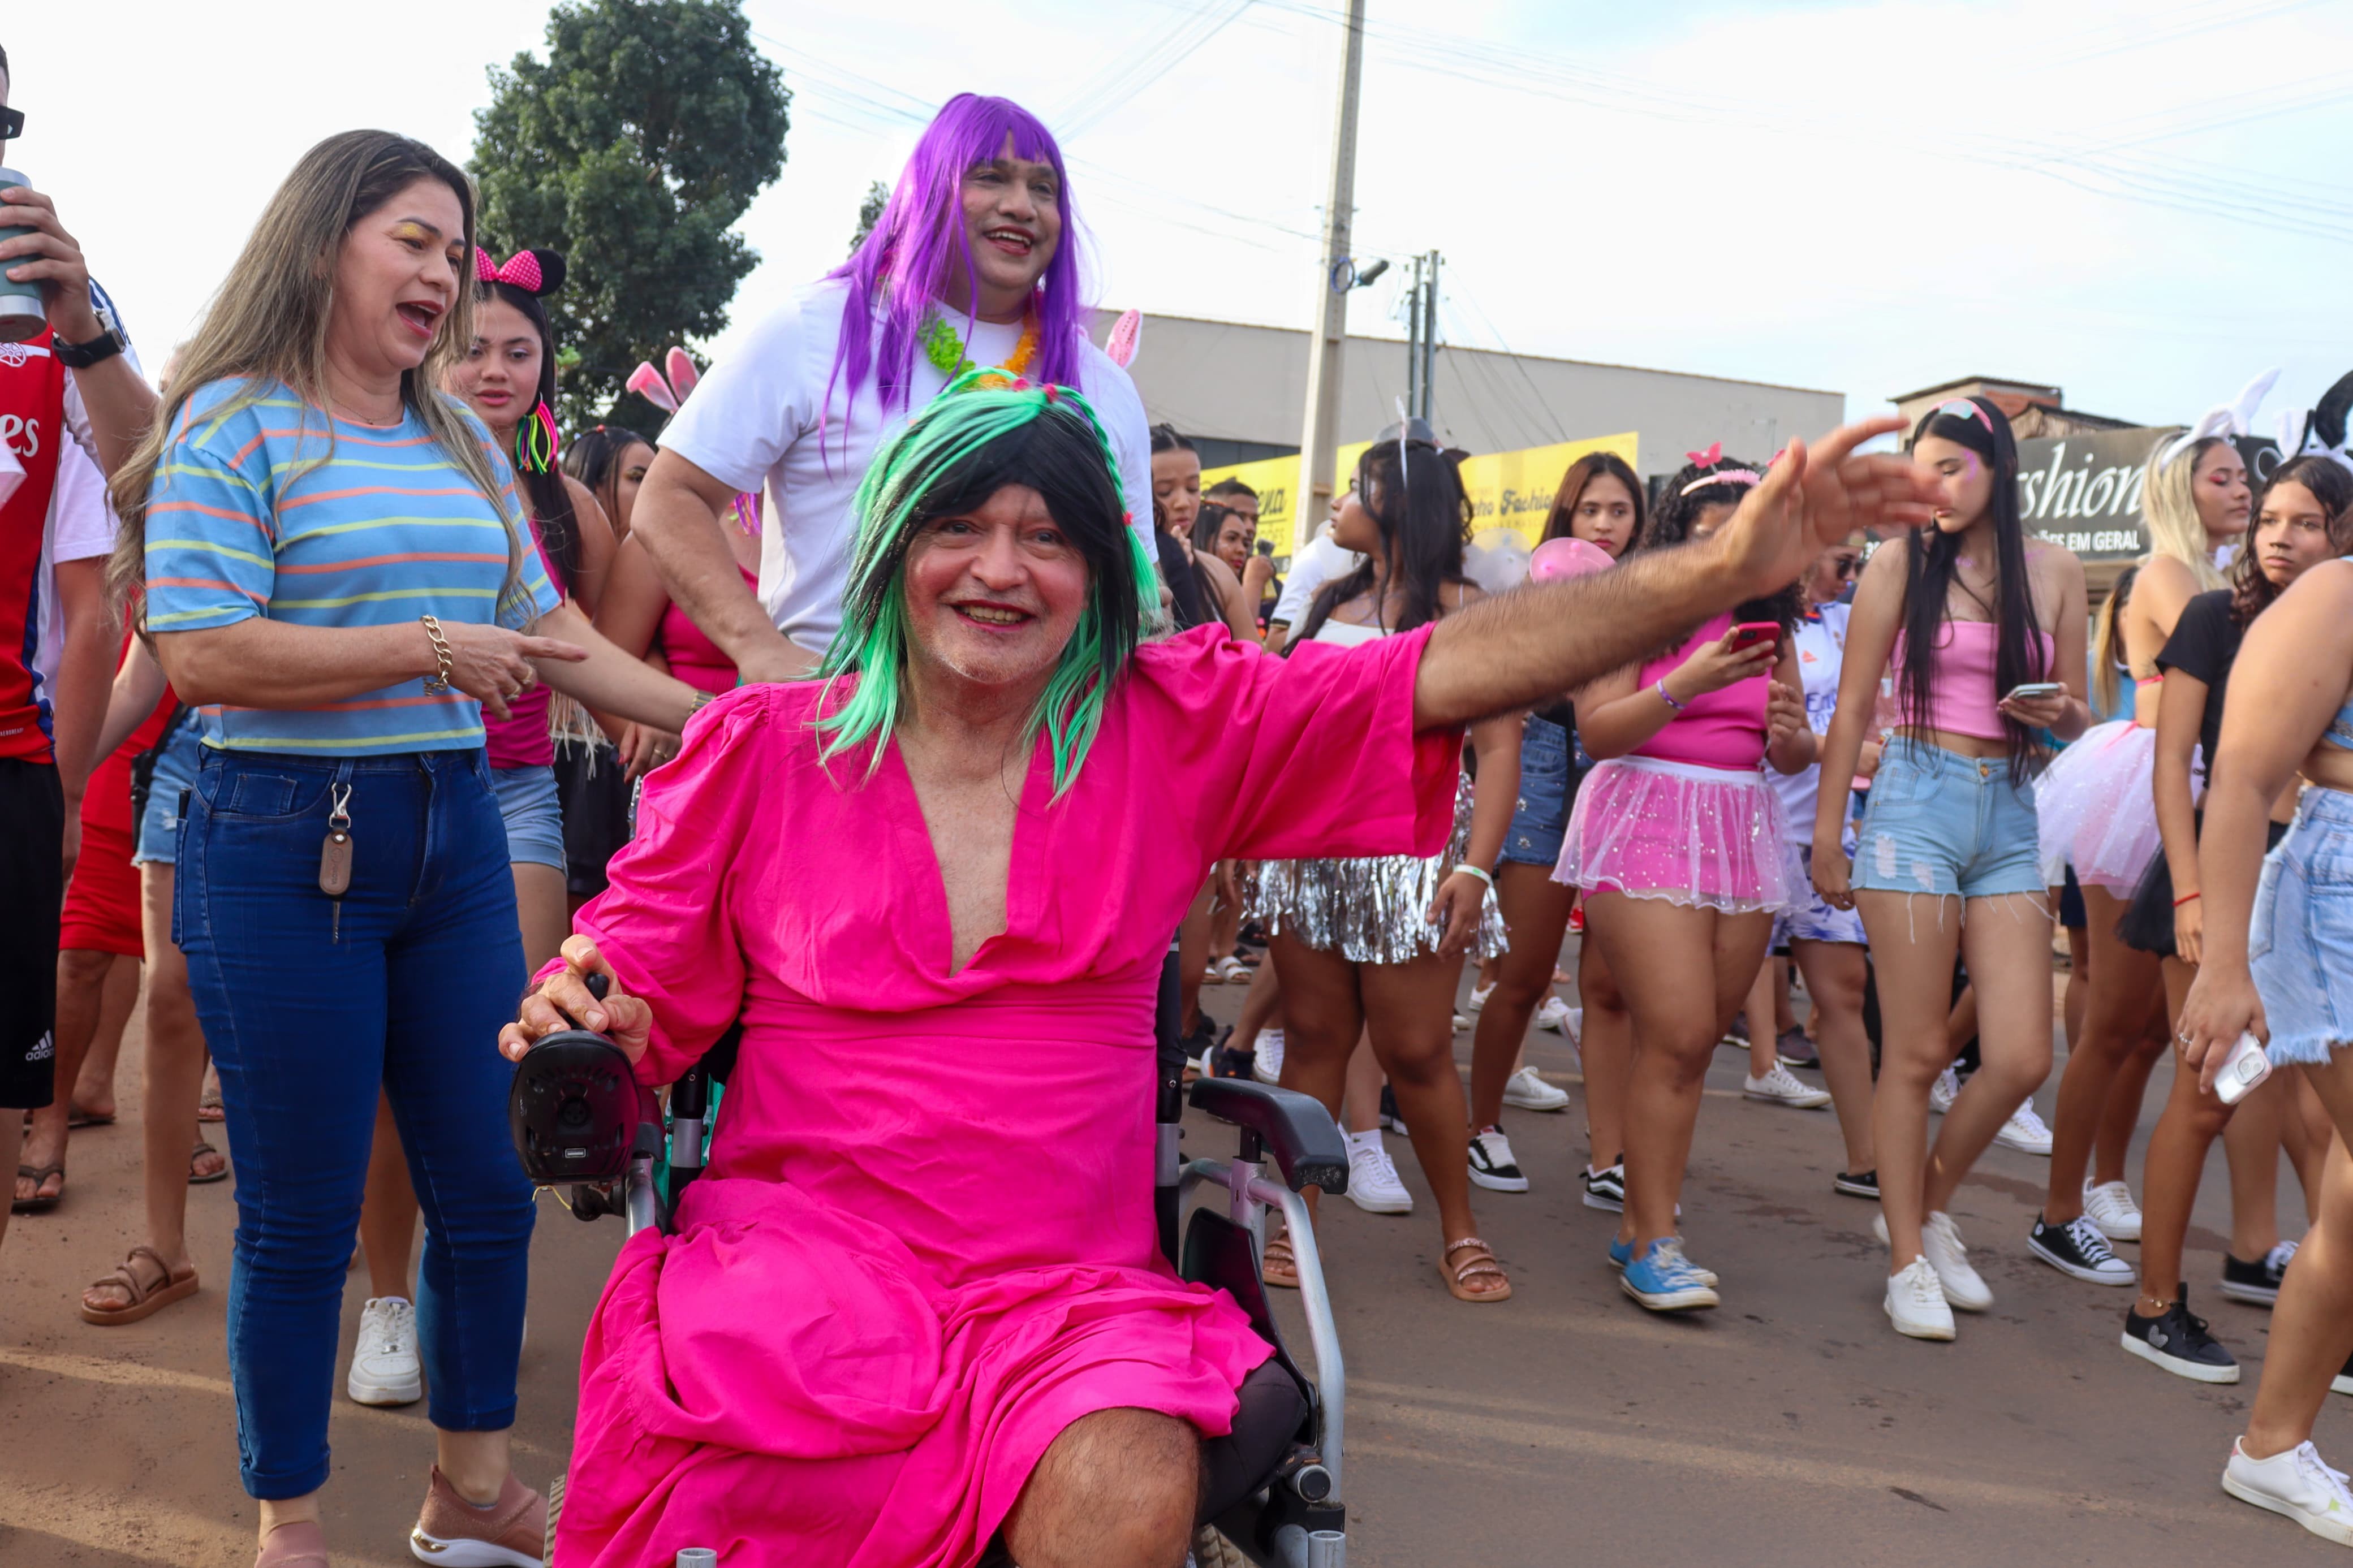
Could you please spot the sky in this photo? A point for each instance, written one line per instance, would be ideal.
(2142, 203)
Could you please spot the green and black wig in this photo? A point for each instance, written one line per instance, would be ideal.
(977, 436)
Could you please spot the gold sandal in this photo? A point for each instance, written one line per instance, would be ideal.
(1457, 1279)
(1278, 1266)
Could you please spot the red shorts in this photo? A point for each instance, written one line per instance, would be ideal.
(102, 902)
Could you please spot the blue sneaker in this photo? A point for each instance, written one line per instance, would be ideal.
(1623, 1253)
(1664, 1281)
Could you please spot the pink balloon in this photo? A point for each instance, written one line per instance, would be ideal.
(1559, 558)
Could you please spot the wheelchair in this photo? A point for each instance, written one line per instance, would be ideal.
(1274, 1488)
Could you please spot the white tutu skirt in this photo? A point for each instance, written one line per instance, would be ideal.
(2096, 812)
(1708, 838)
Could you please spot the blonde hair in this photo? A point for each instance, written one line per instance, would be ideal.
(268, 323)
(2172, 510)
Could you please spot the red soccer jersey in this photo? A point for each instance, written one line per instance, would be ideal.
(32, 426)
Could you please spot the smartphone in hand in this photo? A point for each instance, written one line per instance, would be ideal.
(2243, 1069)
(1750, 633)
(2033, 691)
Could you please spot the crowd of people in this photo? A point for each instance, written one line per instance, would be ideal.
(406, 720)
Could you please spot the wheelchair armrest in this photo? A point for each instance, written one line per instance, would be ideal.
(1296, 1131)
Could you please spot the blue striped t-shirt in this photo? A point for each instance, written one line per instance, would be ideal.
(255, 512)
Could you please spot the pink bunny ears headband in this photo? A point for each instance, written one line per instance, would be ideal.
(666, 393)
(1714, 454)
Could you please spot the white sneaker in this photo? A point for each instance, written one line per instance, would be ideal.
(1528, 1091)
(2025, 1133)
(384, 1369)
(1461, 1023)
(1780, 1087)
(1950, 1258)
(1479, 995)
(2296, 1482)
(1266, 1057)
(1915, 1302)
(1373, 1182)
(1560, 1017)
(2111, 1207)
(1941, 1092)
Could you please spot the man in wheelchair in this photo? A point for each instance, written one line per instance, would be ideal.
(916, 1310)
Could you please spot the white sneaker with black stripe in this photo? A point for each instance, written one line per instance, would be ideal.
(1605, 1188)
(1491, 1165)
(2077, 1249)
(2111, 1207)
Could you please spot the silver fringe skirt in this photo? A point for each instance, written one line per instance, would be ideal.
(1371, 909)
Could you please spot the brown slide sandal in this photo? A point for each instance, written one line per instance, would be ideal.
(148, 1296)
(198, 1152)
(1278, 1266)
(38, 1176)
(1480, 1265)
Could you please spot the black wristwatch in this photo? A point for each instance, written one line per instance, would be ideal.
(81, 356)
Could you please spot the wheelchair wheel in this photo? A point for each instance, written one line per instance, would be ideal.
(1212, 1549)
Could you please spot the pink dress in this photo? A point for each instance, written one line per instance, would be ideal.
(925, 1242)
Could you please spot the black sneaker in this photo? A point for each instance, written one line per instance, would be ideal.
(1607, 1189)
(1796, 1050)
(2078, 1250)
(1857, 1184)
(2180, 1343)
(2258, 1282)
(1390, 1121)
(2343, 1382)
(1492, 1164)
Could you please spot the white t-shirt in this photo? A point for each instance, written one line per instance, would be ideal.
(1821, 652)
(1310, 569)
(754, 419)
(80, 523)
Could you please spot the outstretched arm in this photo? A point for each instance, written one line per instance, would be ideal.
(1514, 650)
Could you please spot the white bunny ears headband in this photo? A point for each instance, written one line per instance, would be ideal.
(2225, 419)
(2320, 433)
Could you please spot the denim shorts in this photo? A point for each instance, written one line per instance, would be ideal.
(177, 756)
(2300, 942)
(1943, 823)
(1540, 815)
(534, 818)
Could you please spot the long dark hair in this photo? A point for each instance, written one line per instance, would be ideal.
(549, 502)
(593, 457)
(2252, 592)
(1415, 498)
(1932, 558)
(1694, 488)
(1560, 523)
(1206, 523)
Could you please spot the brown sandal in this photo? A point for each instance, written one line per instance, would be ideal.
(146, 1297)
(1457, 1279)
(1278, 1266)
(198, 1152)
(39, 1176)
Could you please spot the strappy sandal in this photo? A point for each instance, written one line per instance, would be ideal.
(146, 1297)
(38, 1176)
(1477, 1268)
(198, 1152)
(208, 1104)
(1278, 1266)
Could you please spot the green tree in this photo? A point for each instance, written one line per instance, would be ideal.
(870, 213)
(633, 148)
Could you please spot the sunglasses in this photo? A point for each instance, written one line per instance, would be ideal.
(12, 123)
(1852, 567)
(1962, 408)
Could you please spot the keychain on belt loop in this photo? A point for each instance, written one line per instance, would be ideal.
(335, 854)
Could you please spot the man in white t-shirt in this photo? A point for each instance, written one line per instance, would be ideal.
(973, 264)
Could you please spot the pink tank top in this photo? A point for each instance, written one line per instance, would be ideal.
(1720, 729)
(520, 741)
(693, 657)
(1965, 689)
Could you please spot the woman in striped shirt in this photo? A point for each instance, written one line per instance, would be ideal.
(338, 575)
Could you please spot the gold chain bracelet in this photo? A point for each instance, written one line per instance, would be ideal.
(438, 684)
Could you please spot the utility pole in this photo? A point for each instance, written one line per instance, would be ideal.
(1427, 268)
(1335, 277)
(1413, 342)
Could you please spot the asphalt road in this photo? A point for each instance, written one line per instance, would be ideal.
(1565, 1426)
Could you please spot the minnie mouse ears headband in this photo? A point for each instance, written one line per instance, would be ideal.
(535, 272)
(2225, 419)
(1714, 455)
(2322, 433)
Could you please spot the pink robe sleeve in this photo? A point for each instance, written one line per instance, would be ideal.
(666, 921)
(1305, 757)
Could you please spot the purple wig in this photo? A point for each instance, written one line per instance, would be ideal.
(910, 257)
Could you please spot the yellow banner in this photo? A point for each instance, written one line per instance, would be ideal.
(1507, 490)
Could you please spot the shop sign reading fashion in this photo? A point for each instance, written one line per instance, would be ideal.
(2084, 492)
(1507, 490)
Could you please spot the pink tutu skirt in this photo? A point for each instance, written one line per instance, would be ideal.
(1709, 837)
(2096, 808)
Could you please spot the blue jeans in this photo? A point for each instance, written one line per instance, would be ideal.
(307, 1012)
(1540, 815)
